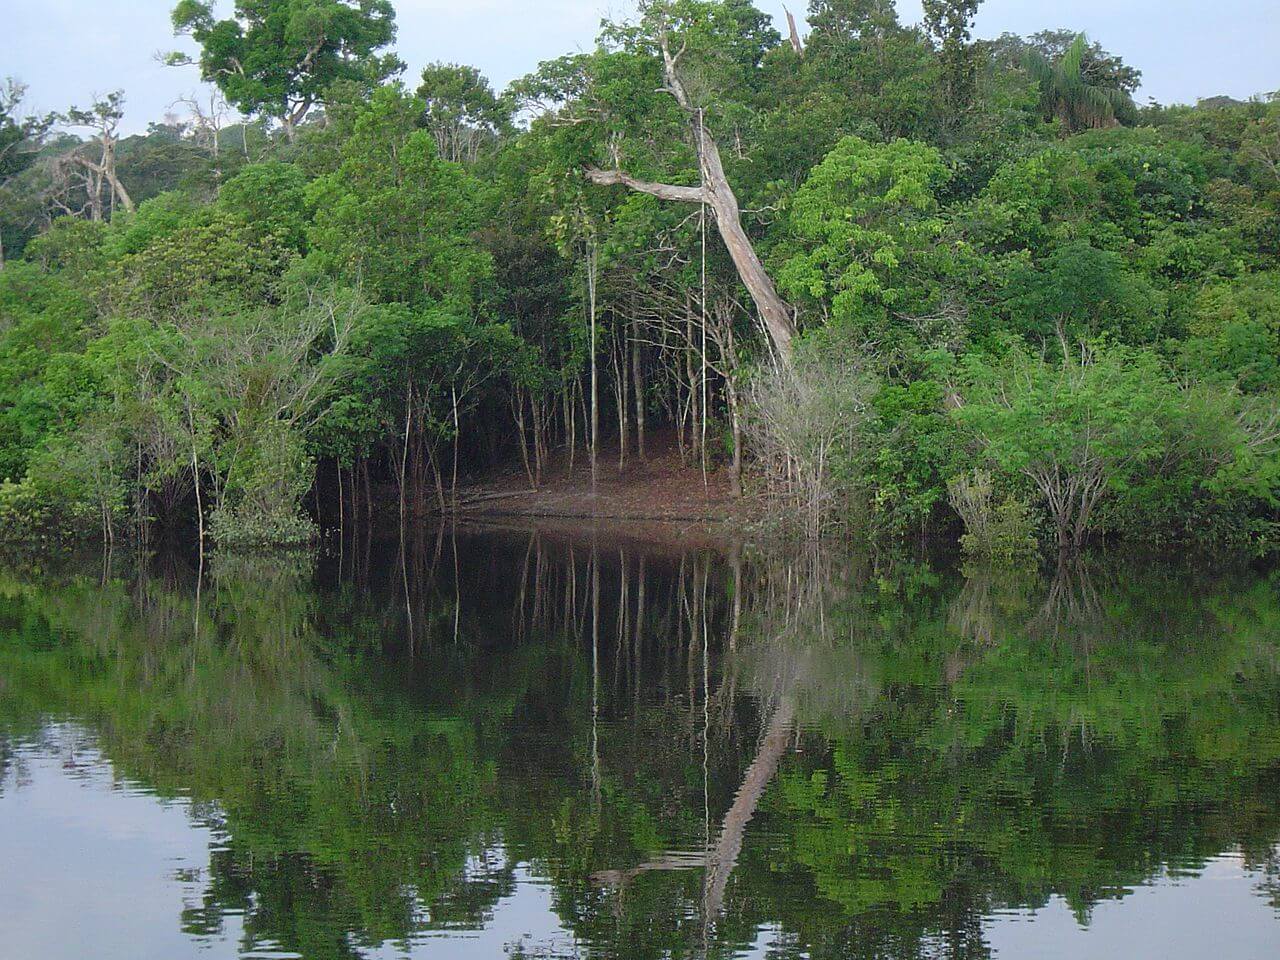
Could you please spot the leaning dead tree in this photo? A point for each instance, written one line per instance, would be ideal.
(715, 192)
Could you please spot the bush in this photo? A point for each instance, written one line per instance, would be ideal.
(262, 507)
(1114, 445)
(24, 515)
(804, 425)
(283, 527)
(1079, 428)
(1000, 531)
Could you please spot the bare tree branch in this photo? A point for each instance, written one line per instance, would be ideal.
(664, 191)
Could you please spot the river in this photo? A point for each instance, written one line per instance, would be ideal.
(531, 744)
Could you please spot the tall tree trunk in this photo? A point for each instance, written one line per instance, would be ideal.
(637, 392)
(195, 480)
(368, 493)
(620, 383)
(404, 456)
(457, 430)
(517, 410)
(735, 421)
(541, 427)
(595, 389)
(342, 520)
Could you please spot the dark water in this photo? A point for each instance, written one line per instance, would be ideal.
(510, 744)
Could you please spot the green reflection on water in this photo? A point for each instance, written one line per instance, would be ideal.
(688, 747)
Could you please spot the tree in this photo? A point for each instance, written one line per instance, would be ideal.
(1069, 94)
(714, 189)
(20, 139)
(865, 211)
(1079, 291)
(949, 23)
(18, 135)
(807, 426)
(98, 172)
(395, 217)
(280, 57)
(1235, 333)
(863, 73)
(1079, 428)
(1097, 66)
(851, 19)
(241, 386)
(270, 198)
(463, 114)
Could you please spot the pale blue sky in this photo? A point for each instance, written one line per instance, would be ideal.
(67, 50)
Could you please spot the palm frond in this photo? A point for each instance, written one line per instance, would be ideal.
(1073, 60)
(1044, 73)
(1094, 105)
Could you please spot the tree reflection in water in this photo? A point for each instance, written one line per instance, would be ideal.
(689, 746)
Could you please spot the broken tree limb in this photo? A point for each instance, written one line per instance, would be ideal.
(796, 44)
(663, 191)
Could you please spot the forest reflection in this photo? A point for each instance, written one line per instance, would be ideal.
(690, 746)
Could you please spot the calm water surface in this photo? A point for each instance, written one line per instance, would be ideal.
(514, 744)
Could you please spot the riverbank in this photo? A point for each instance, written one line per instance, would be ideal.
(664, 497)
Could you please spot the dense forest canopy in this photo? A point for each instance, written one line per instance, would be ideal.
(899, 279)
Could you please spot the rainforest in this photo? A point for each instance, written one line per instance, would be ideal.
(877, 281)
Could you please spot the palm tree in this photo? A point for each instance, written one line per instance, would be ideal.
(1065, 92)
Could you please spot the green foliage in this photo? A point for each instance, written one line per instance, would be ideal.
(1001, 531)
(270, 198)
(154, 219)
(212, 258)
(1079, 291)
(45, 324)
(913, 450)
(280, 57)
(71, 246)
(1234, 333)
(394, 217)
(949, 22)
(1078, 428)
(20, 141)
(862, 65)
(862, 220)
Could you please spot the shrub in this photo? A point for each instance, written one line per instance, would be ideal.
(248, 527)
(23, 514)
(1079, 429)
(261, 508)
(804, 425)
(1000, 531)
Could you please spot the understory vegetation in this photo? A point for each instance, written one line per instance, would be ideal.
(894, 279)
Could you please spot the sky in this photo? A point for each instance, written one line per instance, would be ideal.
(68, 50)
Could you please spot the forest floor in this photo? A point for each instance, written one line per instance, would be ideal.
(662, 495)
